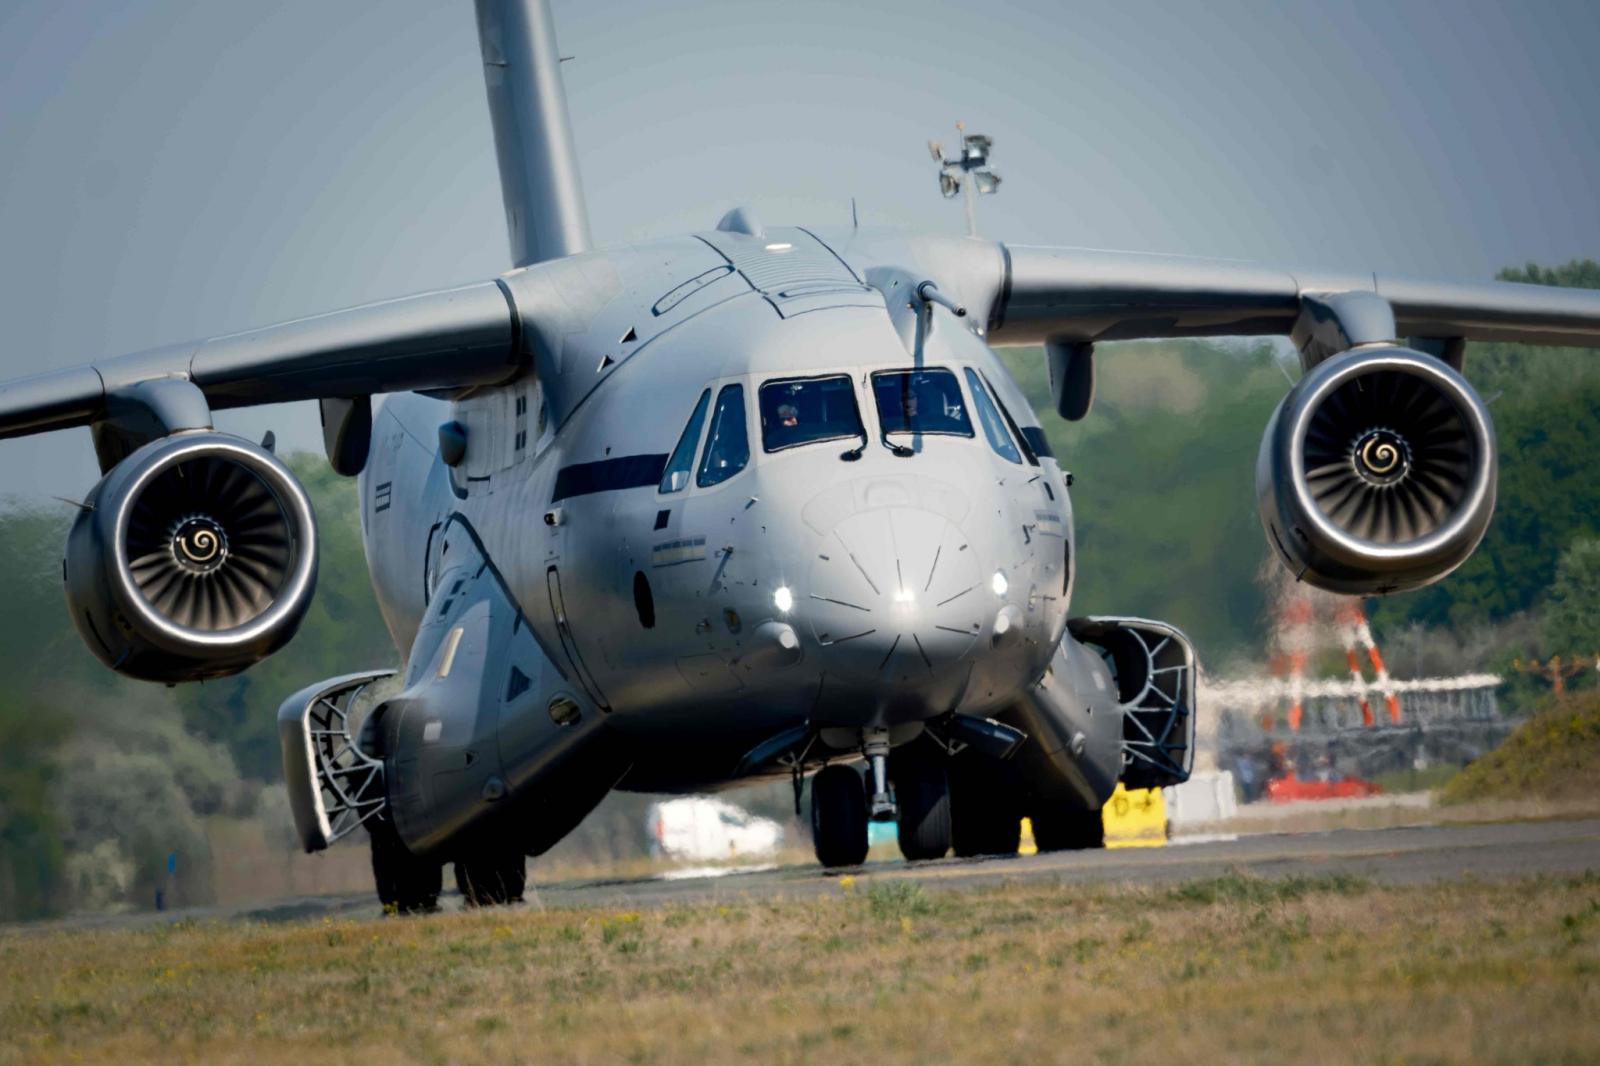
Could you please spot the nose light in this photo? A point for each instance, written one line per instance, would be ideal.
(999, 583)
(783, 599)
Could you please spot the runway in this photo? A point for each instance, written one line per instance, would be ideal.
(1393, 856)
(1410, 855)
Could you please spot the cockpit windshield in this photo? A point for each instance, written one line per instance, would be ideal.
(800, 411)
(920, 401)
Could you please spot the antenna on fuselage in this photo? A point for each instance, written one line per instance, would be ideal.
(545, 214)
(968, 174)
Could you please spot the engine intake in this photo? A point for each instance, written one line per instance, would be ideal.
(1377, 472)
(195, 557)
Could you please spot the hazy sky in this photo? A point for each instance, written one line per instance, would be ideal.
(173, 168)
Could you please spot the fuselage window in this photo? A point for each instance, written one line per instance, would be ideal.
(920, 401)
(728, 445)
(803, 411)
(677, 472)
(994, 427)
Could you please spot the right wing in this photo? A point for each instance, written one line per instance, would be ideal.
(450, 339)
(1075, 295)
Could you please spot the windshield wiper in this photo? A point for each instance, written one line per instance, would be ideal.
(898, 449)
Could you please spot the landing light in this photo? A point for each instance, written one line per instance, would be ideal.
(783, 599)
(905, 596)
(998, 583)
(779, 246)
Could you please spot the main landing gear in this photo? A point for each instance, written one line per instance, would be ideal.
(1055, 829)
(487, 873)
(985, 807)
(406, 883)
(492, 873)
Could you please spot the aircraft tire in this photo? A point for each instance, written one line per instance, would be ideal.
(489, 877)
(839, 816)
(1057, 829)
(985, 810)
(406, 884)
(922, 793)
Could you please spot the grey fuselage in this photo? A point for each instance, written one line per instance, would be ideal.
(657, 609)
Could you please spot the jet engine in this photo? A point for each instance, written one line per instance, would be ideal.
(1377, 472)
(195, 557)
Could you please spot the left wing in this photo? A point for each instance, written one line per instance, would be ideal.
(1083, 295)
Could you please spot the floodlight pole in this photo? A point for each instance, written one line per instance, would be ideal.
(965, 172)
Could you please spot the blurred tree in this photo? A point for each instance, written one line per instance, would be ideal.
(101, 777)
(32, 853)
(1572, 619)
(1164, 498)
(1546, 407)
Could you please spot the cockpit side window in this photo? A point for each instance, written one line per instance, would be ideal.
(994, 427)
(676, 475)
(800, 411)
(728, 445)
(920, 401)
(1027, 449)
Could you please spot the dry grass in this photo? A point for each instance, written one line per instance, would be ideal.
(1330, 970)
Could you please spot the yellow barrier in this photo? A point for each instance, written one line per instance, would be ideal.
(1132, 819)
(1135, 819)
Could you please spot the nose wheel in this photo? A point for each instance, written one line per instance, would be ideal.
(839, 816)
(922, 793)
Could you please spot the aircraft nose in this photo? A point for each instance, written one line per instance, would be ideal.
(897, 595)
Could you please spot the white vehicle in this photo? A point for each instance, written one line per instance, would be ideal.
(707, 829)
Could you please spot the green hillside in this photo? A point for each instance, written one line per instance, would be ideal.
(1554, 755)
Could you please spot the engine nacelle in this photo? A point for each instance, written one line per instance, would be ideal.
(1377, 472)
(195, 557)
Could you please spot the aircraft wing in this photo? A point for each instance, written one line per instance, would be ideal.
(453, 338)
(1080, 295)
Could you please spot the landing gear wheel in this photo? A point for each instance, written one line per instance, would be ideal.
(1058, 829)
(922, 794)
(839, 816)
(491, 876)
(985, 808)
(406, 884)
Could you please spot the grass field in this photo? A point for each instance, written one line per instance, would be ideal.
(1237, 968)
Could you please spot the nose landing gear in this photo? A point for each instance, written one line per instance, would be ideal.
(923, 790)
(839, 816)
(915, 792)
(875, 746)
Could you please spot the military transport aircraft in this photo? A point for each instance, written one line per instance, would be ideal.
(759, 502)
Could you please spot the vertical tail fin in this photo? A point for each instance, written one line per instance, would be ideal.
(545, 213)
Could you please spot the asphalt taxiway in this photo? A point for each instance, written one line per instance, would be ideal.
(1410, 855)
